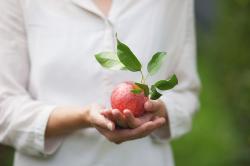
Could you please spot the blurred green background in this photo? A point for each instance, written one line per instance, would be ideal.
(221, 129)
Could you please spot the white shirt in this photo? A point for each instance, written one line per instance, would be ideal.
(47, 60)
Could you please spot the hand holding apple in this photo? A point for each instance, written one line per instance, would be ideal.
(135, 103)
(126, 118)
(119, 136)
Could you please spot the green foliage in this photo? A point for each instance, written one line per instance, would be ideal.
(154, 93)
(109, 60)
(127, 57)
(144, 87)
(136, 91)
(155, 63)
(6, 155)
(167, 84)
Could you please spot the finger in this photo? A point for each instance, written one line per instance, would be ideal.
(116, 136)
(139, 132)
(108, 114)
(147, 117)
(152, 105)
(119, 136)
(159, 121)
(155, 124)
(132, 121)
(103, 131)
(103, 122)
(112, 136)
(147, 128)
(104, 112)
(119, 118)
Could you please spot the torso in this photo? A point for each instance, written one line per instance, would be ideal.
(64, 35)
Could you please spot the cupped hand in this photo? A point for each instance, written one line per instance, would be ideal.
(153, 108)
(127, 119)
(122, 135)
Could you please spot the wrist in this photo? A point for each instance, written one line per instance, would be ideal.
(85, 117)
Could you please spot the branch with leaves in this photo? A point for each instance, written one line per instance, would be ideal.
(125, 59)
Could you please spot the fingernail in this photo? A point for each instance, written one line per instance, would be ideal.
(149, 105)
(110, 126)
(163, 121)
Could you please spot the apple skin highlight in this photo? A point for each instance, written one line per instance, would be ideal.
(122, 98)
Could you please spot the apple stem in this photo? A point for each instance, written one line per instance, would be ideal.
(142, 78)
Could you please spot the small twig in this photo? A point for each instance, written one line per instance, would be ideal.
(142, 78)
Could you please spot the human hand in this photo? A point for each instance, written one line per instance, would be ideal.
(122, 135)
(128, 120)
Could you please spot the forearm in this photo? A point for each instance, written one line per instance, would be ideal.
(64, 120)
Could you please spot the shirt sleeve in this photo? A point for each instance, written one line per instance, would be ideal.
(182, 101)
(23, 120)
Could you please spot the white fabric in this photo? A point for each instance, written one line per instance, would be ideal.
(47, 59)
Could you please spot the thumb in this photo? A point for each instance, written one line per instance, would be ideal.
(152, 105)
(105, 123)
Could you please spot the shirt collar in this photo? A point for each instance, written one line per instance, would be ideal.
(89, 6)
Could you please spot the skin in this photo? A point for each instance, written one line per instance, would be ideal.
(104, 6)
(130, 127)
(65, 120)
(128, 120)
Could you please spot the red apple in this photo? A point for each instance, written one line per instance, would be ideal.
(122, 98)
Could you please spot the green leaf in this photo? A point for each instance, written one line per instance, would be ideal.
(167, 84)
(144, 87)
(154, 94)
(155, 63)
(136, 91)
(109, 60)
(127, 57)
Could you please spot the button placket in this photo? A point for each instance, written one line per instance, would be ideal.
(108, 45)
(108, 41)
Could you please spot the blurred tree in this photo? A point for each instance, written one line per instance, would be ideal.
(232, 56)
(221, 132)
(205, 13)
